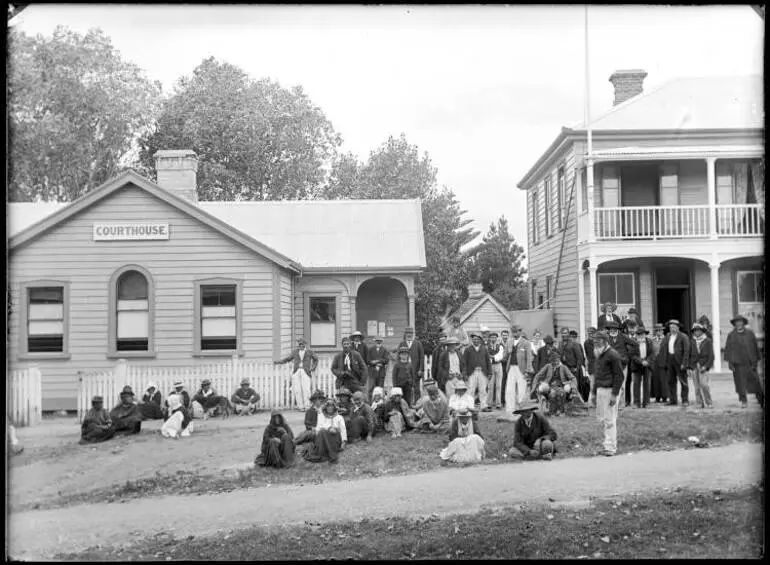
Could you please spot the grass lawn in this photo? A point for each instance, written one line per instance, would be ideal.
(579, 436)
(678, 525)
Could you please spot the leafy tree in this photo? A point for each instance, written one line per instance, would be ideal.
(76, 108)
(497, 265)
(255, 139)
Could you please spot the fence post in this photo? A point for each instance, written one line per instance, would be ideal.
(234, 380)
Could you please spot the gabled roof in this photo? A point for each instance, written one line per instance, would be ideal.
(683, 105)
(29, 218)
(320, 235)
(468, 307)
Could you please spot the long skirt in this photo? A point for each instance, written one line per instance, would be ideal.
(151, 411)
(96, 433)
(467, 449)
(308, 436)
(357, 427)
(130, 425)
(326, 447)
(277, 452)
(173, 426)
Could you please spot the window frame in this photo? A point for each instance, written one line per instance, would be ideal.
(112, 322)
(547, 206)
(536, 215)
(217, 281)
(23, 353)
(634, 288)
(549, 292)
(738, 274)
(306, 296)
(561, 196)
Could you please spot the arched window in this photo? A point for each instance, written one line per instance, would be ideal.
(132, 312)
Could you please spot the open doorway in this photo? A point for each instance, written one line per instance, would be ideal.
(673, 295)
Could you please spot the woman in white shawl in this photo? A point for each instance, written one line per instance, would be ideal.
(467, 446)
(179, 422)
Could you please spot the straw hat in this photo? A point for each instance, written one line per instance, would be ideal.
(529, 405)
(678, 325)
(178, 382)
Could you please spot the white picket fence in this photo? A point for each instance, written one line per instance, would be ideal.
(25, 402)
(271, 382)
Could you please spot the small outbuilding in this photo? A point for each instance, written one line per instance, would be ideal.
(480, 310)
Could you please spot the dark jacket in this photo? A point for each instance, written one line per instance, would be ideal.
(403, 373)
(442, 374)
(704, 357)
(417, 356)
(588, 346)
(741, 348)
(524, 437)
(636, 359)
(309, 363)
(602, 319)
(378, 360)
(473, 359)
(541, 360)
(608, 371)
(311, 418)
(571, 355)
(357, 367)
(362, 350)
(681, 350)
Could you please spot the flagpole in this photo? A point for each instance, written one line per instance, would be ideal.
(587, 108)
(589, 188)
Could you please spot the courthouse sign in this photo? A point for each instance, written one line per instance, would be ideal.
(126, 232)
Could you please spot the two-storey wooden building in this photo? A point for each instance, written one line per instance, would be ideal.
(673, 222)
(143, 271)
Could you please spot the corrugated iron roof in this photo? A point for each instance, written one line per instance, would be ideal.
(319, 234)
(690, 103)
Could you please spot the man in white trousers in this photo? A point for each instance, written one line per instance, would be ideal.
(305, 363)
(608, 380)
(478, 368)
(496, 356)
(519, 367)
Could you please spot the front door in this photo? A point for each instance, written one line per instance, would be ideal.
(673, 294)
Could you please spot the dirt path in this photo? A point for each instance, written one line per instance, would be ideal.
(43, 533)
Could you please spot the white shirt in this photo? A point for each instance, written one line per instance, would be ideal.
(457, 403)
(671, 340)
(497, 357)
(643, 349)
(454, 362)
(336, 423)
(347, 361)
(409, 343)
(301, 354)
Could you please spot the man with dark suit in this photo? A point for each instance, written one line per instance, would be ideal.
(659, 385)
(416, 359)
(588, 347)
(378, 358)
(478, 368)
(349, 368)
(675, 352)
(608, 315)
(625, 348)
(642, 363)
(742, 356)
(357, 344)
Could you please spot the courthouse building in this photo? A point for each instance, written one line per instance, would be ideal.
(142, 271)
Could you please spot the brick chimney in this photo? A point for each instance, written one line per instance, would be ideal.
(475, 290)
(177, 171)
(627, 83)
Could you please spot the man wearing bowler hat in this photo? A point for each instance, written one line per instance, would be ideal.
(659, 382)
(496, 356)
(742, 356)
(676, 359)
(378, 359)
(416, 359)
(641, 365)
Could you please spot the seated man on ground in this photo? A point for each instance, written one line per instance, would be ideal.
(330, 436)
(184, 398)
(209, 403)
(552, 383)
(126, 417)
(151, 406)
(432, 410)
(466, 445)
(277, 443)
(179, 422)
(361, 419)
(97, 425)
(398, 416)
(533, 436)
(245, 398)
(317, 400)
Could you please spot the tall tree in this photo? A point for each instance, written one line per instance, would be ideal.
(497, 265)
(255, 139)
(76, 109)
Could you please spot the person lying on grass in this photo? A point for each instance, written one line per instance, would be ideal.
(126, 416)
(330, 436)
(533, 436)
(97, 425)
(552, 383)
(361, 419)
(245, 399)
(432, 410)
(277, 443)
(398, 416)
(311, 418)
(467, 445)
(179, 423)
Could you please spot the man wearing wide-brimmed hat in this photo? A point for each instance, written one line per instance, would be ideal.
(416, 359)
(403, 374)
(608, 380)
(676, 358)
(311, 417)
(742, 356)
(349, 367)
(207, 402)
(357, 344)
(478, 368)
(519, 371)
(126, 416)
(450, 366)
(701, 363)
(379, 358)
(607, 315)
(180, 390)
(304, 362)
(659, 381)
(245, 398)
(97, 425)
(641, 367)
(496, 355)
(533, 436)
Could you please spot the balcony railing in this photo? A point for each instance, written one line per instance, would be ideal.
(675, 222)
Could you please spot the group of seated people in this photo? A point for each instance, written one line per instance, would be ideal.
(178, 410)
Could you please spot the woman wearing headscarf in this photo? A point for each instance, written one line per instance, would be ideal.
(378, 408)
(126, 417)
(151, 406)
(179, 421)
(96, 425)
(398, 416)
(277, 443)
(330, 436)
(432, 410)
(467, 445)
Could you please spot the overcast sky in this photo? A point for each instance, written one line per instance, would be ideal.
(484, 90)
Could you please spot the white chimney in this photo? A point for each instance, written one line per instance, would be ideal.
(627, 83)
(475, 290)
(177, 171)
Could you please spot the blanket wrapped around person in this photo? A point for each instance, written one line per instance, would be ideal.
(277, 443)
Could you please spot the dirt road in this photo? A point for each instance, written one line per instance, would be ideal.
(43, 533)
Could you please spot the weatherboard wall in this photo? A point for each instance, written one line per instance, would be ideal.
(487, 315)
